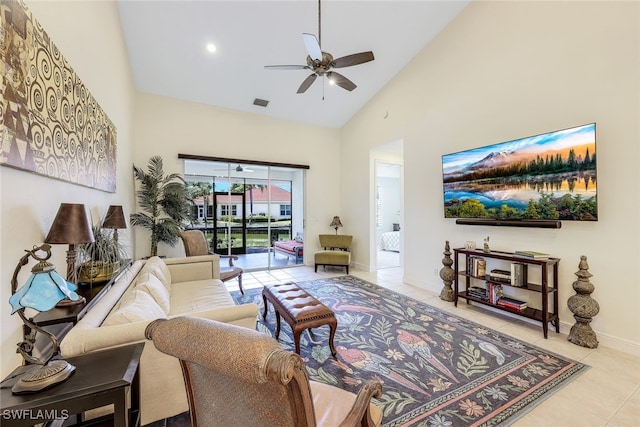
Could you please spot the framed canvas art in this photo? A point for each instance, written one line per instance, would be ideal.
(50, 124)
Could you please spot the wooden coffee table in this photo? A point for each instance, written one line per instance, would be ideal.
(300, 310)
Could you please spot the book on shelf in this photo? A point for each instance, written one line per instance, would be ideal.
(481, 268)
(518, 274)
(532, 254)
(476, 266)
(511, 303)
(500, 274)
(477, 292)
(494, 292)
(511, 308)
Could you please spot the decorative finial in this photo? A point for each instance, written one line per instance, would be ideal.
(583, 307)
(447, 275)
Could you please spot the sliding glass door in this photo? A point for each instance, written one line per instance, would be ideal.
(229, 217)
(244, 208)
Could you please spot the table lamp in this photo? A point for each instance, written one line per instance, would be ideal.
(41, 292)
(71, 226)
(115, 219)
(336, 223)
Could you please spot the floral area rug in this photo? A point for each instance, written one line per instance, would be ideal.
(437, 369)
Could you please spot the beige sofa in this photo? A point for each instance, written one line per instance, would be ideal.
(149, 290)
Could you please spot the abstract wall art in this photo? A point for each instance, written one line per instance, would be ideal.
(50, 124)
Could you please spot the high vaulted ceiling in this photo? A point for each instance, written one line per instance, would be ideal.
(166, 41)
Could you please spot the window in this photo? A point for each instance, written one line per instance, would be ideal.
(249, 205)
(378, 207)
(225, 209)
(285, 210)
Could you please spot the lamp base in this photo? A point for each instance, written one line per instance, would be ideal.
(46, 376)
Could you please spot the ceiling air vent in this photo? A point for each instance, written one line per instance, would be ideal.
(260, 102)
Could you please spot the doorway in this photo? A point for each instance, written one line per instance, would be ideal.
(386, 247)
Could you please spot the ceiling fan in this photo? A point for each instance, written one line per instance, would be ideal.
(322, 63)
(240, 168)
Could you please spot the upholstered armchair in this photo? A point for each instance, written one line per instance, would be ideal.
(241, 377)
(195, 243)
(336, 251)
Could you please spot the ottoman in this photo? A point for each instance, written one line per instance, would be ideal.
(300, 310)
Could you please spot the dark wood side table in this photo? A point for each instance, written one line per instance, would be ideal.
(101, 378)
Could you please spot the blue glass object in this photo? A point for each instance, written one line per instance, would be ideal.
(42, 291)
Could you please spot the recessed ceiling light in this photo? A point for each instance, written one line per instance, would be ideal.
(211, 48)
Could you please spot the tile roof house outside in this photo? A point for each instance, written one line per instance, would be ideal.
(261, 205)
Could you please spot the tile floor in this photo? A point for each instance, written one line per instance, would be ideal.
(608, 394)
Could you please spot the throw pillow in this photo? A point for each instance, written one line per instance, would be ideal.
(150, 284)
(140, 306)
(156, 266)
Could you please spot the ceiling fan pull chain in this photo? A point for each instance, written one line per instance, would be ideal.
(323, 89)
(319, 25)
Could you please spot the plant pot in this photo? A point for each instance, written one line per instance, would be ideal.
(97, 271)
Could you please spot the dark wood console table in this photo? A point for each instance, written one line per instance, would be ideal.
(72, 313)
(59, 320)
(101, 378)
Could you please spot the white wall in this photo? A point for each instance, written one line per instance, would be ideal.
(501, 71)
(167, 127)
(88, 35)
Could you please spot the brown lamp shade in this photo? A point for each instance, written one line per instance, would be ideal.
(71, 225)
(115, 218)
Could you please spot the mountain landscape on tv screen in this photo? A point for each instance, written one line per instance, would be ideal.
(550, 177)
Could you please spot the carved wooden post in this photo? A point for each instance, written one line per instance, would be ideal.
(583, 307)
(447, 275)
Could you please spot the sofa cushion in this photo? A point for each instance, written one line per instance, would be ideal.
(150, 284)
(332, 257)
(199, 295)
(331, 404)
(156, 266)
(137, 306)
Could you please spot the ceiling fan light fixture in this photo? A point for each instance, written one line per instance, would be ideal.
(321, 62)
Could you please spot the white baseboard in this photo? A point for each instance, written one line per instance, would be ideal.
(605, 340)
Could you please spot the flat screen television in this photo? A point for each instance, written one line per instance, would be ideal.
(551, 176)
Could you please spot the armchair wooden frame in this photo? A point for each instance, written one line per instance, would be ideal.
(239, 376)
(195, 243)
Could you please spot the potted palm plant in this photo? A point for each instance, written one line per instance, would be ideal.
(164, 202)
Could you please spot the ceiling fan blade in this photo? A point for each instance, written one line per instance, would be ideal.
(341, 81)
(355, 59)
(313, 47)
(286, 67)
(307, 82)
